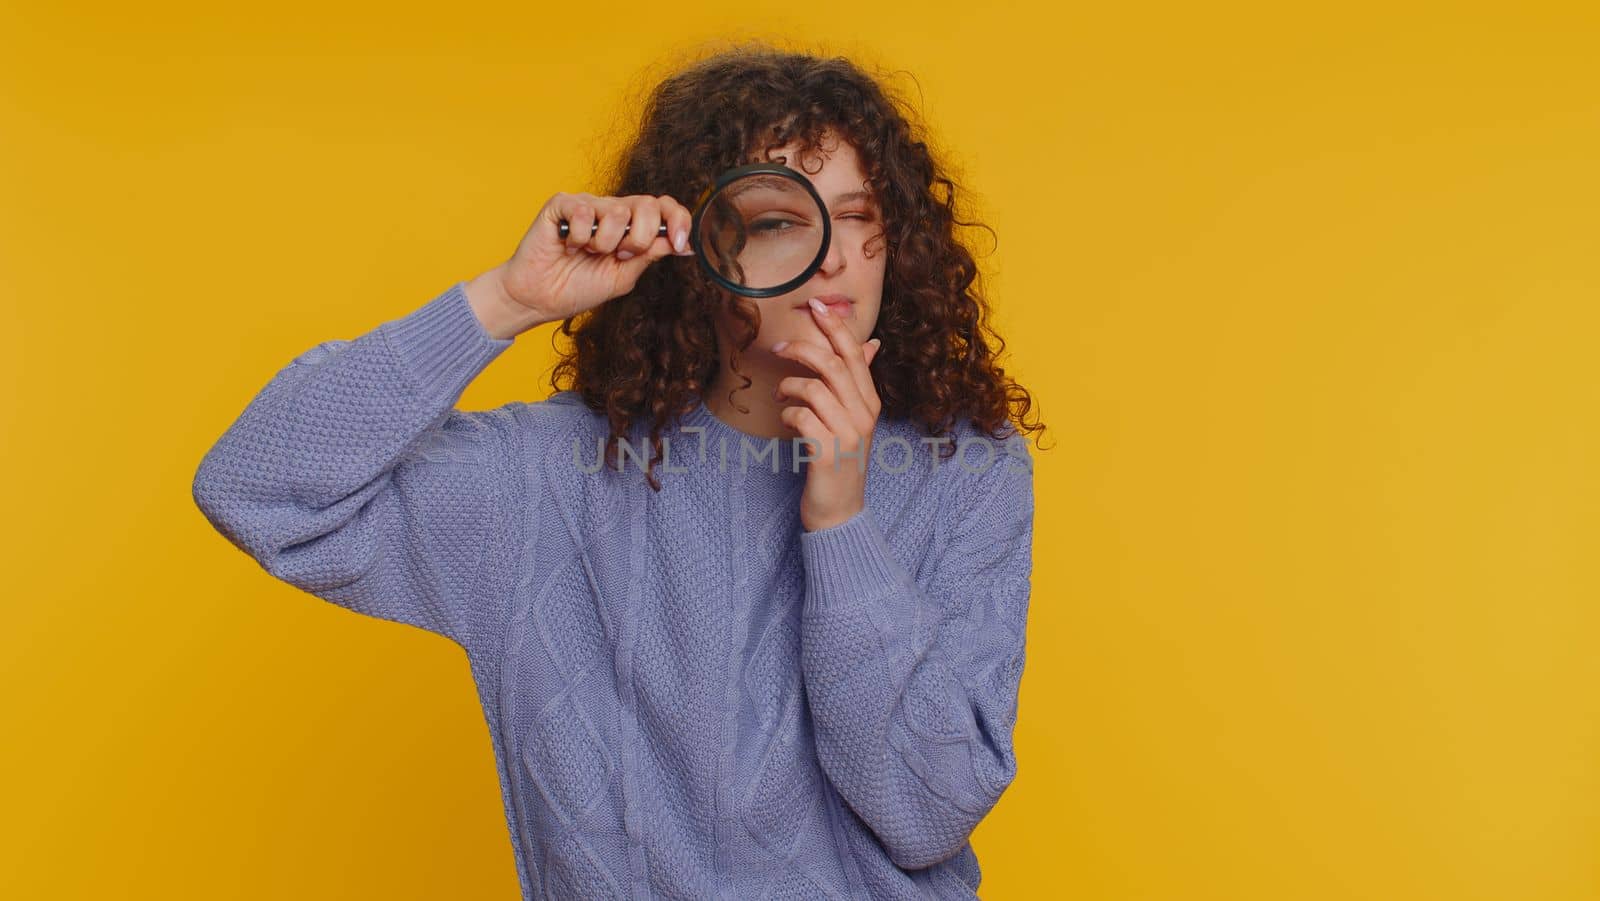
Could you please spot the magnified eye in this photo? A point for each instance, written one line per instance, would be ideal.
(771, 226)
(762, 230)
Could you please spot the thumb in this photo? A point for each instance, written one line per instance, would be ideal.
(636, 265)
(629, 270)
(662, 247)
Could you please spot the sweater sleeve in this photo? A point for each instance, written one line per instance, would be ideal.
(913, 686)
(351, 476)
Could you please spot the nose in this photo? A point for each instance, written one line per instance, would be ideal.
(834, 260)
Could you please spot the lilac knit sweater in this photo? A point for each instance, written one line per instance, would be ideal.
(689, 695)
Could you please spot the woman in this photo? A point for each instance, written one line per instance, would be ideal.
(794, 679)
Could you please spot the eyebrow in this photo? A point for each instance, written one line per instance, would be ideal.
(853, 195)
(778, 181)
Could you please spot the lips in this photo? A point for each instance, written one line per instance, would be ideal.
(838, 304)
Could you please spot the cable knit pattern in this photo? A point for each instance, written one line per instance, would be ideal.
(689, 696)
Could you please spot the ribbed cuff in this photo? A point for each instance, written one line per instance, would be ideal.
(442, 344)
(849, 561)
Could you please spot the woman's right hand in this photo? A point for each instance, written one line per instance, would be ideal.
(553, 278)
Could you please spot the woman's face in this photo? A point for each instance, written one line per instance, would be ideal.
(853, 269)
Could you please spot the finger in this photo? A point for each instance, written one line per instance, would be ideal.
(790, 387)
(579, 213)
(802, 420)
(831, 367)
(642, 228)
(614, 216)
(870, 349)
(828, 407)
(829, 447)
(844, 344)
(679, 220)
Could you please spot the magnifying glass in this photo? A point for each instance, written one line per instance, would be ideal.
(759, 230)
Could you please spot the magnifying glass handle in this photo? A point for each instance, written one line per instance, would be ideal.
(563, 228)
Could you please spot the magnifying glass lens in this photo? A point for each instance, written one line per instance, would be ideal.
(760, 231)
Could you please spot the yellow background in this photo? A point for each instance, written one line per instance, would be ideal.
(1307, 297)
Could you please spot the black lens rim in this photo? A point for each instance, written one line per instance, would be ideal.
(723, 181)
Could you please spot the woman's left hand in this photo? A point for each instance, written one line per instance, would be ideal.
(838, 410)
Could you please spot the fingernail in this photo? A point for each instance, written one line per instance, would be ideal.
(571, 249)
(819, 306)
(779, 346)
(875, 342)
(679, 242)
(624, 254)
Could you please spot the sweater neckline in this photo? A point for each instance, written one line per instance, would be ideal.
(719, 434)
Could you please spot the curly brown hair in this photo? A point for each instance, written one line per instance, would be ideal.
(653, 351)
